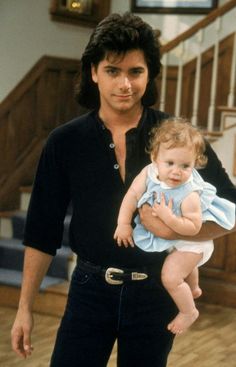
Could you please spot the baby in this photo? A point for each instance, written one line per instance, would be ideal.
(182, 200)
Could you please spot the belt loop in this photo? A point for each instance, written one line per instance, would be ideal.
(138, 276)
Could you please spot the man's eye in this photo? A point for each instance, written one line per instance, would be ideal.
(112, 72)
(136, 72)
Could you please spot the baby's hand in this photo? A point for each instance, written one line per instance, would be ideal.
(123, 235)
(162, 209)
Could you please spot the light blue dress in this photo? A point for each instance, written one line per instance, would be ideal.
(214, 208)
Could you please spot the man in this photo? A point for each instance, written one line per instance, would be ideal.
(115, 292)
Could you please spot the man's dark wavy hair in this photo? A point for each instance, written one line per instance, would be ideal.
(118, 34)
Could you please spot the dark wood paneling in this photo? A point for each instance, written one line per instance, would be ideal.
(218, 275)
(42, 100)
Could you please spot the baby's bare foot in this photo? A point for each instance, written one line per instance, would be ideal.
(182, 322)
(196, 292)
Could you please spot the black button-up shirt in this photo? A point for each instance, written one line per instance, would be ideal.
(78, 165)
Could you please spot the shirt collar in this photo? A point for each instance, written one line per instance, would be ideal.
(102, 126)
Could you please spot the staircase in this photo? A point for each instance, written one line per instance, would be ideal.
(12, 254)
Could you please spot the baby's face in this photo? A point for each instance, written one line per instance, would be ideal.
(175, 165)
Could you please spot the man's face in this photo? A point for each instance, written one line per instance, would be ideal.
(121, 81)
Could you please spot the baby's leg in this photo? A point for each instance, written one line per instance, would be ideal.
(193, 282)
(177, 267)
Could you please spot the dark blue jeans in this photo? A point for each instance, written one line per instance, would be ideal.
(135, 313)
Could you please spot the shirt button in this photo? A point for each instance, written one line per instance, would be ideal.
(112, 145)
(116, 166)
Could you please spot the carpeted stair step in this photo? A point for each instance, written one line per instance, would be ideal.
(12, 251)
(12, 255)
(6, 229)
(13, 278)
(18, 223)
(12, 226)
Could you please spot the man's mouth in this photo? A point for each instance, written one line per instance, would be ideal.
(123, 96)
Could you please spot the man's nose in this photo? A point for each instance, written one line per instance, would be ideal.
(125, 82)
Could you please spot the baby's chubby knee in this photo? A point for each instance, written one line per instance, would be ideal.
(170, 279)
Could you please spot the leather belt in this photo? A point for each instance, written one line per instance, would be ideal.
(114, 276)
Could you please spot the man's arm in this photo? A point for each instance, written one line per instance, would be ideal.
(208, 231)
(36, 264)
(189, 223)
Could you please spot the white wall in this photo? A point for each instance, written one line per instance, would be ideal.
(169, 25)
(224, 147)
(27, 33)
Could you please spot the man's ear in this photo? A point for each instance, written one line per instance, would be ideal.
(94, 73)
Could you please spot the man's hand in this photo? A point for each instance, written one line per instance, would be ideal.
(21, 333)
(155, 224)
(123, 235)
(163, 210)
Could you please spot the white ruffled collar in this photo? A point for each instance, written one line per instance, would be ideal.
(153, 175)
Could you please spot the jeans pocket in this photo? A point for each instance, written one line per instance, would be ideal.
(80, 276)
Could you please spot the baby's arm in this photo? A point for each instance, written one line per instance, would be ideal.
(124, 230)
(191, 220)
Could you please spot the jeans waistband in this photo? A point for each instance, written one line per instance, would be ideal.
(115, 275)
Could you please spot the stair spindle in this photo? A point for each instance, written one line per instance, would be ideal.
(164, 82)
(211, 110)
(231, 96)
(179, 80)
(196, 95)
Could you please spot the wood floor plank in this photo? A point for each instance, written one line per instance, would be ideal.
(211, 342)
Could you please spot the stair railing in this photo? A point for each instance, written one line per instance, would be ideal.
(190, 45)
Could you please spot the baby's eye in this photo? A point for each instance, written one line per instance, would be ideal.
(185, 166)
(170, 163)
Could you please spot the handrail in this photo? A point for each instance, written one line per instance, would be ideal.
(196, 27)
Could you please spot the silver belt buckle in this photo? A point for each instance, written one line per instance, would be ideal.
(138, 276)
(109, 275)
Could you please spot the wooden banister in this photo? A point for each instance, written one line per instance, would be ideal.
(196, 27)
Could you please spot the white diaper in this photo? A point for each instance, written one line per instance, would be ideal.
(205, 247)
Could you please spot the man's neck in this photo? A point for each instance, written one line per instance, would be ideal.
(123, 120)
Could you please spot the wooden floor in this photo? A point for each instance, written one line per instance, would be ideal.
(211, 342)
